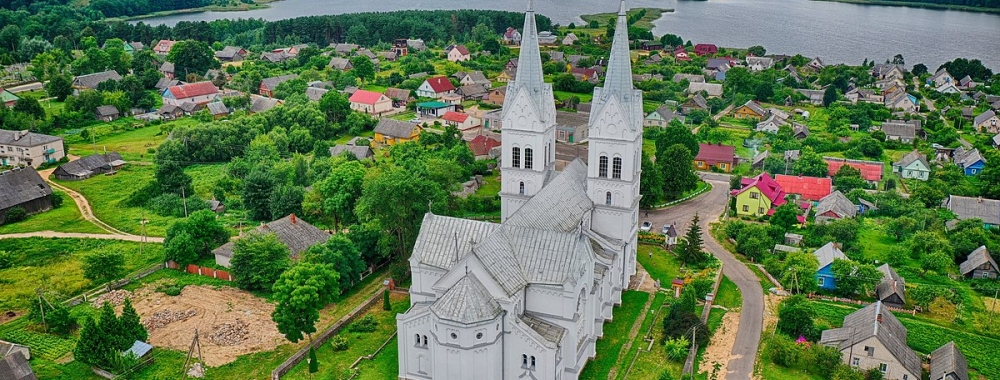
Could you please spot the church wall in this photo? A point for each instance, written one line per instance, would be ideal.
(522, 344)
(469, 351)
(424, 277)
(415, 358)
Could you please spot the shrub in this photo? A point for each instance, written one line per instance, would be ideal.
(57, 200)
(677, 349)
(15, 214)
(6, 260)
(339, 343)
(366, 324)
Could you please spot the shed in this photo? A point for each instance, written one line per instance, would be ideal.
(294, 233)
(23, 188)
(217, 109)
(362, 152)
(892, 289)
(140, 349)
(979, 264)
(106, 113)
(89, 166)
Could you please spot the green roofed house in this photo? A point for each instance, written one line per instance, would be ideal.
(8, 98)
(435, 109)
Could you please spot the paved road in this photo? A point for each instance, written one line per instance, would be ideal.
(26, 87)
(74, 235)
(708, 207)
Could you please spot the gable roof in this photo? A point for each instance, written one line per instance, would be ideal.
(86, 165)
(891, 284)
(699, 101)
(713, 89)
(828, 253)
(292, 231)
(870, 170)
(967, 157)
(395, 128)
(262, 103)
(811, 188)
(461, 49)
(564, 201)
(838, 203)
(987, 210)
(977, 258)
(901, 130)
(107, 111)
(366, 97)
(360, 152)
(191, 90)
(273, 82)
(18, 186)
(472, 90)
(874, 321)
(912, 157)
(716, 153)
(767, 186)
(468, 301)
(92, 80)
(217, 108)
(16, 367)
(229, 52)
(482, 144)
(440, 84)
(456, 117)
(167, 67)
(755, 107)
(550, 332)
(316, 93)
(397, 93)
(139, 349)
(983, 117)
(949, 360)
(340, 63)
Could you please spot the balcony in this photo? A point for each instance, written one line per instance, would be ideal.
(49, 151)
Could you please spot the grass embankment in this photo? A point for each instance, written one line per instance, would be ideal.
(230, 7)
(646, 22)
(917, 4)
(616, 334)
(66, 218)
(133, 143)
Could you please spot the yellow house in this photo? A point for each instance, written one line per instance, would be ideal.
(505, 76)
(392, 132)
(758, 196)
(750, 110)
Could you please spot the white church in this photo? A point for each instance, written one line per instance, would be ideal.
(528, 298)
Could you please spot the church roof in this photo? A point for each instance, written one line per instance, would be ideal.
(560, 205)
(436, 244)
(468, 301)
(550, 332)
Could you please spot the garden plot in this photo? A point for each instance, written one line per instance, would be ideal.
(230, 322)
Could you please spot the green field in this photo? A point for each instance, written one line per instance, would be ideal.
(616, 334)
(66, 218)
(56, 265)
(729, 295)
(660, 264)
(122, 136)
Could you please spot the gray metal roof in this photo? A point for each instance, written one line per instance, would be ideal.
(838, 203)
(900, 130)
(560, 205)
(874, 321)
(16, 367)
(107, 111)
(549, 332)
(26, 139)
(18, 186)
(444, 240)
(139, 349)
(468, 301)
(977, 258)
(273, 82)
(967, 157)
(827, 253)
(359, 152)
(217, 108)
(291, 230)
(315, 93)
(395, 128)
(948, 360)
(92, 80)
(891, 284)
(262, 103)
(86, 165)
(987, 210)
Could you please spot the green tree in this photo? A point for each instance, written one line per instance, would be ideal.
(854, 278)
(938, 261)
(810, 164)
(690, 249)
(313, 361)
(92, 347)
(900, 227)
(60, 87)
(795, 318)
(363, 69)
(285, 200)
(301, 292)
(409, 196)
(786, 216)
(258, 260)
(989, 178)
(343, 256)
(131, 327)
(829, 96)
(205, 231)
(104, 267)
(257, 188)
(678, 173)
(919, 69)
(930, 194)
(181, 249)
(192, 57)
(30, 106)
(341, 190)
(848, 178)
(676, 133)
(796, 275)
(757, 50)
(650, 183)
(335, 106)
(385, 300)
(172, 179)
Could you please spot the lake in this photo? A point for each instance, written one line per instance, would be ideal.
(836, 32)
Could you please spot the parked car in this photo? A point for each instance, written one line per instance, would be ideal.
(646, 226)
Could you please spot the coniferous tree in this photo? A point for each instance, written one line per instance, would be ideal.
(690, 247)
(385, 300)
(131, 327)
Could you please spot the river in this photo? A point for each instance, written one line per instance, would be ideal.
(836, 32)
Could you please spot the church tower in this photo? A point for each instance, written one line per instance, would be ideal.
(616, 148)
(528, 120)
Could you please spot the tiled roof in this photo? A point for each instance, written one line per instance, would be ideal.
(366, 97)
(870, 170)
(461, 49)
(811, 188)
(481, 145)
(440, 84)
(191, 90)
(716, 153)
(18, 186)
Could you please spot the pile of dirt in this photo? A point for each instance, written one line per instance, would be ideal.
(162, 318)
(230, 334)
(115, 297)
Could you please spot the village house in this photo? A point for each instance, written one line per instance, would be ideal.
(485, 147)
(458, 53)
(826, 256)
(884, 71)
(662, 117)
(434, 109)
(260, 104)
(506, 76)
(169, 112)
(691, 78)
(7, 98)
(965, 208)
(696, 103)
(268, 85)
(371, 103)
(966, 83)
(512, 37)
(941, 77)
(900, 100)
(969, 160)
(808, 188)
(91, 81)
(496, 96)
(24, 148)
(194, 93)
(814, 97)
(948, 363)
(106, 113)
(771, 125)
(472, 92)
(293, 232)
(162, 48)
(979, 264)
(759, 63)
(712, 89)
(757, 161)
(475, 77)
(892, 289)
(572, 127)
(758, 196)
(24, 188)
(436, 88)
(547, 38)
(913, 165)
(168, 70)
(872, 338)
(835, 206)
(400, 97)
(231, 54)
(871, 171)
(856, 95)
(949, 88)
(902, 132)
(315, 93)
(721, 157)
(750, 110)
(217, 109)
(706, 49)
(392, 132)
(344, 49)
(360, 152)
(463, 121)
(988, 122)
(570, 39)
(340, 64)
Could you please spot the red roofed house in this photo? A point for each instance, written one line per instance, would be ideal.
(758, 196)
(681, 55)
(196, 93)
(705, 49)
(722, 157)
(458, 53)
(163, 47)
(435, 87)
(463, 121)
(585, 74)
(809, 188)
(485, 147)
(371, 103)
(871, 171)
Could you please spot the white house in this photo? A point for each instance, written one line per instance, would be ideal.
(527, 298)
(371, 103)
(29, 148)
(195, 93)
(435, 87)
(458, 53)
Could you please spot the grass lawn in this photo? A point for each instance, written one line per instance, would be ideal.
(107, 195)
(616, 334)
(650, 364)
(651, 317)
(66, 218)
(584, 98)
(729, 295)
(660, 264)
(385, 365)
(57, 265)
(119, 136)
(345, 138)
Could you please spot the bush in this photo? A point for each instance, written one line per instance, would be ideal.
(15, 214)
(339, 343)
(677, 349)
(170, 288)
(6, 260)
(57, 200)
(366, 324)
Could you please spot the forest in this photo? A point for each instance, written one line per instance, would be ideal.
(993, 4)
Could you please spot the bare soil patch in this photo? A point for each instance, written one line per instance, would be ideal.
(720, 347)
(230, 322)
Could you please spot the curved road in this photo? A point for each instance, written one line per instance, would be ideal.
(709, 207)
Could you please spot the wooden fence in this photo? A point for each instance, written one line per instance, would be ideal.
(203, 271)
(116, 285)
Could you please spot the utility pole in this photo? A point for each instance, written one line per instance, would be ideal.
(184, 198)
(142, 222)
(992, 309)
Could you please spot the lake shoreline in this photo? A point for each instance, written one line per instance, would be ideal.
(243, 7)
(910, 4)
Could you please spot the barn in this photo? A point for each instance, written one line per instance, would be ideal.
(89, 166)
(23, 188)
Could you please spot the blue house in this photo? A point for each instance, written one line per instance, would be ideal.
(826, 255)
(969, 160)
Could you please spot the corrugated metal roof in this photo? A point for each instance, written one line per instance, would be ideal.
(468, 301)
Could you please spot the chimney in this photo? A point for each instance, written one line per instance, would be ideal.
(836, 245)
(879, 318)
(894, 285)
(293, 218)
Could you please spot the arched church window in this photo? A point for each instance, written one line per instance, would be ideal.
(425, 340)
(616, 168)
(524, 360)
(418, 339)
(516, 160)
(607, 198)
(602, 167)
(520, 189)
(529, 156)
(532, 363)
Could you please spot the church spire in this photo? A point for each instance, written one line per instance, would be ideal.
(618, 80)
(529, 74)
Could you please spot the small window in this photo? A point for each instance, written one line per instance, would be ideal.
(418, 339)
(906, 377)
(616, 168)
(754, 195)
(760, 210)
(524, 360)
(528, 158)
(516, 160)
(454, 336)
(870, 350)
(607, 198)
(520, 189)
(602, 167)
(479, 335)
(821, 281)
(746, 208)
(855, 362)
(532, 363)
(882, 367)
(425, 340)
